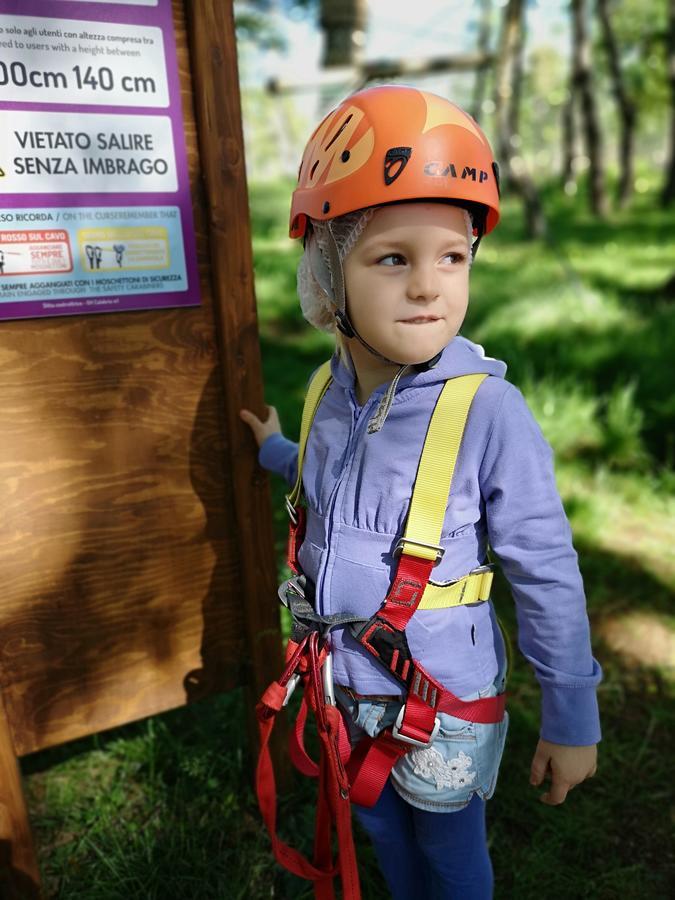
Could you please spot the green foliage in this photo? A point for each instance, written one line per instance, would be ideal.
(640, 28)
(252, 24)
(567, 414)
(623, 445)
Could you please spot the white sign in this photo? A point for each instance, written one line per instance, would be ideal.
(69, 153)
(71, 61)
(124, 2)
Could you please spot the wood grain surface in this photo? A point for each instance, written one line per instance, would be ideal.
(123, 475)
(19, 876)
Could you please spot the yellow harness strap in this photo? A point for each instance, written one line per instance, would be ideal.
(437, 466)
(432, 484)
(318, 386)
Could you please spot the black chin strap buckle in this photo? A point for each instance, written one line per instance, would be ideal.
(343, 324)
(429, 364)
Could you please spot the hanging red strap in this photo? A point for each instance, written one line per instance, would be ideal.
(296, 744)
(333, 808)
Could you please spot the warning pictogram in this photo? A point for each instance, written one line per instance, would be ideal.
(32, 252)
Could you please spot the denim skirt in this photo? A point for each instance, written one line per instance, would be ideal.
(463, 759)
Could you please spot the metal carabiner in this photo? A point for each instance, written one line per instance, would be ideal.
(327, 679)
(291, 685)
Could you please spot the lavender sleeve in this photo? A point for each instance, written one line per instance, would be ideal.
(279, 455)
(530, 535)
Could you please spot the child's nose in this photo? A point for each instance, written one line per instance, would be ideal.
(423, 283)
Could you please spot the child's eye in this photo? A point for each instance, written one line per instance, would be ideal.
(396, 257)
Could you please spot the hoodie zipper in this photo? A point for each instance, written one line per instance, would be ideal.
(341, 481)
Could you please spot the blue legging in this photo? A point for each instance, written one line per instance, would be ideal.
(426, 855)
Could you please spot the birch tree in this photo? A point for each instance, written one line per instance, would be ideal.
(582, 77)
(625, 105)
(508, 87)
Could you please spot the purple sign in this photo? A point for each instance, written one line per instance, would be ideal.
(95, 206)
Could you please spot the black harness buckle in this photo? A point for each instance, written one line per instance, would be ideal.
(388, 644)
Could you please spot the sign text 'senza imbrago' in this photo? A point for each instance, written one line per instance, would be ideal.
(95, 209)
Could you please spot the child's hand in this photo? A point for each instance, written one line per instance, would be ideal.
(262, 430)
(566, 766)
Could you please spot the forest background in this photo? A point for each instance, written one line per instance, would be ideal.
(575, 291)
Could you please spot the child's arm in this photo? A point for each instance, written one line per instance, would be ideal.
(277, 453)
(530, 534)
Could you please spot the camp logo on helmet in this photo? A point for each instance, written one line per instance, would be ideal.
(396, 156)
(443, 170)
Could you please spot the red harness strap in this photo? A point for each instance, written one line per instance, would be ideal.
(333, 808)
(296, 534)
(384, 636)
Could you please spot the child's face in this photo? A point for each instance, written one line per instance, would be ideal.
(407, 279)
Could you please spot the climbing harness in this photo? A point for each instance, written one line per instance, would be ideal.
(359, 775)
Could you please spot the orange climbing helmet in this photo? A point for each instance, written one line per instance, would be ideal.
(392, 143)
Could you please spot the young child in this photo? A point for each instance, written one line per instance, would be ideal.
(396, 189)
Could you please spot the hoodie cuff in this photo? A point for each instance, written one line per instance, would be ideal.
(570, 715)
(278, 454)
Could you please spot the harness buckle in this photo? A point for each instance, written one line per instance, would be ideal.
(396, 731)
(406, 540)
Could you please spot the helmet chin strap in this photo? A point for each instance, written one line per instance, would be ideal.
(340, 309)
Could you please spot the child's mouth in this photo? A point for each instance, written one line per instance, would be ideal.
(420, 320)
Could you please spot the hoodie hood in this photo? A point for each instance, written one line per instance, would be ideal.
(460, 357)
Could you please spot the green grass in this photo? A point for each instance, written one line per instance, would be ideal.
(164, 808)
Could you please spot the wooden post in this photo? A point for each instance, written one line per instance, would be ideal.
(19, 874)
(218, 113)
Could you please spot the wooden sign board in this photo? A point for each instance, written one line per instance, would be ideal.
(137, 556)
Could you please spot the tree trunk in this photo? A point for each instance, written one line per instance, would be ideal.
(343, 23)
(668, 192)
(581, 73)
(508, 83)
(568, 135)
(626, 106)
(483, 48)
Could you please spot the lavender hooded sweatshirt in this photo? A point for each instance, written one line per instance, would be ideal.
(358, 488)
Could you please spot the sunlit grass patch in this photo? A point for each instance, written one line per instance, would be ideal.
(563, 313)
(642, 638)
(626, 517)
(567, 414)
